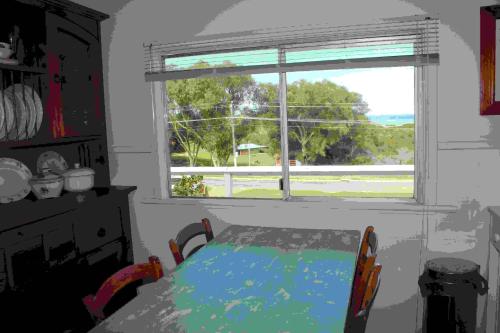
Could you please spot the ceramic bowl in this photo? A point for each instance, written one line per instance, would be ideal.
(47, 186)
(78, 179)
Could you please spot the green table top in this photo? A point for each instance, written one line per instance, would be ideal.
(251, 279)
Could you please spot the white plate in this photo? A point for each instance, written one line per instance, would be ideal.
(29, 103)
(14, 180)
(52, 161)
(18, 131)
(6, 115)
(38, 109)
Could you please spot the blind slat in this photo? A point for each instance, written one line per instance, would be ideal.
(296, 67)
(395, 43)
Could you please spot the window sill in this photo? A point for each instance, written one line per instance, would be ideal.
(351, 204)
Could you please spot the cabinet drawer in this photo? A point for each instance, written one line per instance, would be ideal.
(17, 235)
(93, 229)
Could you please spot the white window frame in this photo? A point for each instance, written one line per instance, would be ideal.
(425, 161)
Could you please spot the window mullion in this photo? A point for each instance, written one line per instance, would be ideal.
(285, 170)
(158, 90)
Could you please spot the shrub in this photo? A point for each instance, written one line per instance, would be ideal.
(190, 186)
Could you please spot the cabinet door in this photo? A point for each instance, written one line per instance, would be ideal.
(73, 104)
(26, 263)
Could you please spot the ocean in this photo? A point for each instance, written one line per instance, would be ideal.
(392, 119)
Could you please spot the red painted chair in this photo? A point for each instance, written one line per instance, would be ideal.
(366, 282)
(148, 272)
(360, 319)
(365, 262)
(185, 235)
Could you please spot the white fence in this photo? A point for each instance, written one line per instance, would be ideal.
(330, 170)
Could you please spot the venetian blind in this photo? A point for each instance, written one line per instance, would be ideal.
(394, 42)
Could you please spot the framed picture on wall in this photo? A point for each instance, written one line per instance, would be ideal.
(488, 68)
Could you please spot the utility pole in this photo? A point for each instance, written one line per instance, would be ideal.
(234, 139)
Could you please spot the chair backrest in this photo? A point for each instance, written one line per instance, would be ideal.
(369, 242)
(357, 321)
(365, 262)
(148, 272)
(371, 291)
(185, 235)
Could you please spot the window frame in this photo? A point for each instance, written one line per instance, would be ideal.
(425, 161)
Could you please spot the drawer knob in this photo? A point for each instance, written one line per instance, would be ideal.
(20, 233)
(101, 232)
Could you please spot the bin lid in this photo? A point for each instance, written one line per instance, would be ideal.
(451, 268)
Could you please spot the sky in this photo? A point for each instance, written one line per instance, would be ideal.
(388, 90)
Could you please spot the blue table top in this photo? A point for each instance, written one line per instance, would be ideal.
(251, 279)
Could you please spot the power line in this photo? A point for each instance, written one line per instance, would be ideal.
(295, 120)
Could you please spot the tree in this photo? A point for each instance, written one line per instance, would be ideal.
(185, 135)
(369, 143)
(266, 130)
(319, 115)
(201, 111)
(239, 89)
(356, 146)
(190, 100)
(394, 144)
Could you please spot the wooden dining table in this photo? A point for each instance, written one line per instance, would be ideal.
(250, 279)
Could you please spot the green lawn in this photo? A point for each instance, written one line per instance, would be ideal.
(181, 159)
(256, 159)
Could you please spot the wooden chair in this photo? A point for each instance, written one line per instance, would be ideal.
(357, 321)
(185, 235)
(147, 272)
(366, 282)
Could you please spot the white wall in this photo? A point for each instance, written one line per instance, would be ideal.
(468, 155)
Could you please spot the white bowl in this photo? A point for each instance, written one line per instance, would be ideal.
(47, 189)
(5, 53)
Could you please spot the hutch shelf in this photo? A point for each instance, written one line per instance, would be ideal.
(55, 251)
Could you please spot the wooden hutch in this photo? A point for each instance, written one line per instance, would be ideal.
(55, 251)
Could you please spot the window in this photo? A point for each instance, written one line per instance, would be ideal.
(220, 122)
(355, 118)
(327, 112)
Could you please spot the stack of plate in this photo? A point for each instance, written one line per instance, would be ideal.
(21, 112)
(6, 115)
